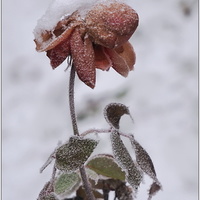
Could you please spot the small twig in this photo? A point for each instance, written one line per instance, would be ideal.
(95, 131)
(53, 173)
(50, 158)
(86, 184)
(50, 186)
(48, 162)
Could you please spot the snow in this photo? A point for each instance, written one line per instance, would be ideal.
(161, 94)
(58, 9)
(61, 8)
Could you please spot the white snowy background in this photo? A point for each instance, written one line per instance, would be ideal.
(161, 93)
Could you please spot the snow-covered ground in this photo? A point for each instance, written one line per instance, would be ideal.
(161, 94)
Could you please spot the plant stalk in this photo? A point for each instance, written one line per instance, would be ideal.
(86, 184)
(71, 101)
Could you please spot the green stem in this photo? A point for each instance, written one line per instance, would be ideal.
(86, 184)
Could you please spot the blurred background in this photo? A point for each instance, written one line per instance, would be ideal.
(161, 93)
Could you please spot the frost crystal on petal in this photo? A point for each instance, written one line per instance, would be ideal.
(75, 153)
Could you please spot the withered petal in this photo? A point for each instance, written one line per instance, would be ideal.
(83, 58)
(118, 62)
(102, 60)
(127, 52)
(59, 53)
(53, 42)
(111, 24)
(50, 39)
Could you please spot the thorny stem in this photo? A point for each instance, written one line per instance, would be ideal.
(86, 184)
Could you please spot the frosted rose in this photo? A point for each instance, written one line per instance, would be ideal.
(100, 40)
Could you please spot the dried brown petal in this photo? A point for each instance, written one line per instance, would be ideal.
(47, 40)
(83, 58)
(59, 53)
(118, 62)
(102, 60)
(126, 51)
(114, 23)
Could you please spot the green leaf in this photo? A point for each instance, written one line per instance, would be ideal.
(92, 174)
(124, 159)
(105, 165)
(72, 155)
(66, 183)
(113, 113)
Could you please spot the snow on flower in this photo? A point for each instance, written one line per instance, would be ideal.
(94, 35)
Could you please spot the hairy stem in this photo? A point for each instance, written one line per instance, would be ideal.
(71, 101)
(86, 184)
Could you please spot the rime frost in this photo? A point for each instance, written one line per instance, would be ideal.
(73, 154)
(133, 174)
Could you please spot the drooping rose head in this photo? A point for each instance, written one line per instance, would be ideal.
(97, 40)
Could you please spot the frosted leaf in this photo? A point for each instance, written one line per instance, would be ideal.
(46, 190)
(134, 176)
(70, 156)
(113, 113)
(66, 183)
(50, 196)
(143, 159)
(105, 165)
(122, 156)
